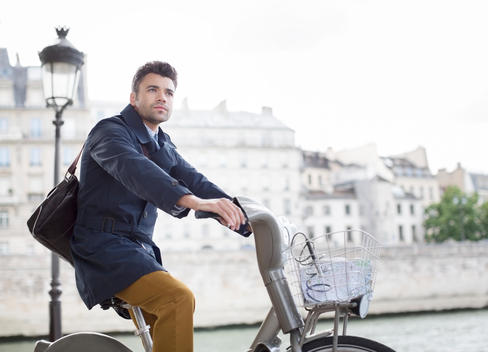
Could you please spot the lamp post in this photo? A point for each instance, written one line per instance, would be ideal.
(61, 64)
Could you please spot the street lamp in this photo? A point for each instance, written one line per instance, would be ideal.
(61, 64)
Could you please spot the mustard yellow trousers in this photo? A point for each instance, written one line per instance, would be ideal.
(167, 305)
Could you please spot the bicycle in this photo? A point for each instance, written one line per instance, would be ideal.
(316, 274)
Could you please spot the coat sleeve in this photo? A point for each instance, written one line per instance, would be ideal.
(113, 149)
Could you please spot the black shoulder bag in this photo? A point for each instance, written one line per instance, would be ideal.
(53, 220)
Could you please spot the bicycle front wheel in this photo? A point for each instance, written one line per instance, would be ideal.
(345, 344)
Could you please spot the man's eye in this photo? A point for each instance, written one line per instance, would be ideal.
(152, 89)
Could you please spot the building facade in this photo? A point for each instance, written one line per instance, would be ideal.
(27, 149)
(356, 196)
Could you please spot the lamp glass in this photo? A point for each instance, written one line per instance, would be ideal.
(60, 80)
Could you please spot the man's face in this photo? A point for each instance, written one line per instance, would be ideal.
(154, 99)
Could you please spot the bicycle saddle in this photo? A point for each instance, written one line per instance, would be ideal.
(118, 305)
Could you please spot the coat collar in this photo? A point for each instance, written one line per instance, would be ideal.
(134, 121)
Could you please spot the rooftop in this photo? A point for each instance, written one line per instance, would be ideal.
(220, 117)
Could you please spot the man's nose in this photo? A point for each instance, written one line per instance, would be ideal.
(162, 97)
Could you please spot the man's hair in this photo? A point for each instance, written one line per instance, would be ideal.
(161, 68)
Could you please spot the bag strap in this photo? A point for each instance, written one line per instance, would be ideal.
(74, 164)
(145, 151)
(72, 168)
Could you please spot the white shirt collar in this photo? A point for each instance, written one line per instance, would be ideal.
(153, 134)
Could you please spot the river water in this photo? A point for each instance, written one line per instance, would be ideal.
(460, 331)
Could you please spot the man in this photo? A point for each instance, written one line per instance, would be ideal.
(129, 168)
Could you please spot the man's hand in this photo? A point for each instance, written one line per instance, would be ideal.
(230, 214)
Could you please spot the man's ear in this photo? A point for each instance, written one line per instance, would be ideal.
(133, 99)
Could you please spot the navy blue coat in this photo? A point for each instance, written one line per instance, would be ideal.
(120, 189)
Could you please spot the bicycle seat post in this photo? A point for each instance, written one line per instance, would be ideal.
(142, 329)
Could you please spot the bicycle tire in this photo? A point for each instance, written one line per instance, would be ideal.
(345, 344)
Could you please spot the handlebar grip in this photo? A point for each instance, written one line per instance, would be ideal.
(200, 214)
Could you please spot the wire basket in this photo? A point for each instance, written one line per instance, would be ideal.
(333, 268)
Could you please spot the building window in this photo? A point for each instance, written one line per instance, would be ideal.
(349, 234)
(347, 209)
(35, 127)
(431, 193)
(328, 229)
(400, 233)
(399, 209)
(414, 233)
(35, 156)
(309, 179)
(320, 180)
(421, 189)
(308, 210)
(5, 187)
(69, 129)
(4, 248)
(412, 209)
(68, 155)
(3, 125)
(3, 219)
(35, 184)
(35, 197)
(326, 210)
(4, 156)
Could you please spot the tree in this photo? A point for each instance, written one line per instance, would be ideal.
(484, 220)
(457, 216)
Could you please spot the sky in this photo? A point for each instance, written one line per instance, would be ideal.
(341, 73)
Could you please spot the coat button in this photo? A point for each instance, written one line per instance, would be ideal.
(174, 183)
(145, 214)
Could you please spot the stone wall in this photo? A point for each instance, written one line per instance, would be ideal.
(229, 290)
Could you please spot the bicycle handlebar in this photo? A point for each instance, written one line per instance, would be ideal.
(200, 214)
(244, 229)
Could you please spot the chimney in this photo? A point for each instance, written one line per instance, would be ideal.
(221, 107)
(267, 111)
